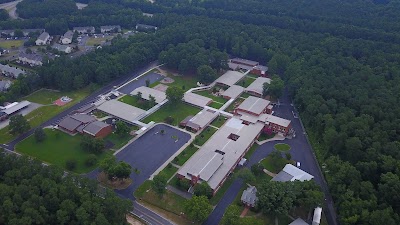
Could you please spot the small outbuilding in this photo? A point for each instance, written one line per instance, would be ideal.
(249, 196)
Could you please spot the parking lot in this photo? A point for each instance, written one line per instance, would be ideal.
(149, 152)
(152, 77)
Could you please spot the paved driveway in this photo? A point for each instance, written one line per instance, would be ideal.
(153, 77)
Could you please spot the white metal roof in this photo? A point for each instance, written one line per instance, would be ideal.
(317, 215)
(268, 118)
(297, 173)
(16, 107)
(230, 78)
(196, 99)
(231, 150)
(146, 92)
(121, 110)
(257, 85)
(298, 221)
(233, 91)
(254, 105)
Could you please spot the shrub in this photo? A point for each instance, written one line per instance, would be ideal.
(91, 160)
(70, 164)
(169, 120)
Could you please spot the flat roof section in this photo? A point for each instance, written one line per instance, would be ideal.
(254, 105)
(233, 91)
(268, 118)
(196, 99)
(146, 92)
(257, 85)
(16, 107)
(203, 118)
(245, 61)
(230, 78)
(206, 166)
(230, 149)
(121, 110)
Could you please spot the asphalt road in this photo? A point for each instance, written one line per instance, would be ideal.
(87, 100)
(152, 77)
(301, 151)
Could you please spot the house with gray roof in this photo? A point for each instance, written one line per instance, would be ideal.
(63, 48)
(30, 59)
(43, 39)
(97, 129)
(110, 29)
(292, 173)
(145, 27)
(249, 196)
(74, 123)
(10, 71)
(67, 38)
(84, 30)
(4, 85)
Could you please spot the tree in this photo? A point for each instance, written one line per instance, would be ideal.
(70, 164)
(152, 101)
(18, 33)
(18, 124)
(198, 208)
(206, 74)
(231, 215)
(147, 82)
(92, 145)
(121, 170)
(28, 51)
(139, 96)
(265, 89)
(39, 134)
(246, 175)
(91, 160)
(288, 156)
(275, 88)
(159, 184)
(203, 189)
(276, 197)
(174, 94)
(257, 169)
(122, 128)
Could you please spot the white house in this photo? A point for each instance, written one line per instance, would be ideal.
(43, 38)
(63, 48)
(67, 38)
(292, 173)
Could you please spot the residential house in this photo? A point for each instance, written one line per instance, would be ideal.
(10, 71)
(43, 39)
(110, 29)
(67, 38)
(249, 196)
(292, 173)
(84, 30)
(4, 85)
(30, 59)
(144, 27)
(63, 48)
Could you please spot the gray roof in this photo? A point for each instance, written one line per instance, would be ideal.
(83, 118)
(196, 99)
(262, 68)
(184, 121)
(16, 107)
(245, 61)
(110, 27)
(84, 29)
(69, 34)
(233, 91)
(43, 36)
(13, 70)
(254, 105)
(230, 78)
(258, 85)
(235, 66)
(34, 57)
(202, 119)
(298, 221)
(146, 92)
(94, 127)
(69, 124)
(4, 85)
(61, 48)
(206, 166)
(249, 196)
(292, 173)
(145, 26)
(230, 149)
(121, 110)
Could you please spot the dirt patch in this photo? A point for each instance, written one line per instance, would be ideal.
(161, 87)
(133, 221)
(114, 184)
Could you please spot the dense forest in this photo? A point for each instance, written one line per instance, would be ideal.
(339, 59)
(31, 193)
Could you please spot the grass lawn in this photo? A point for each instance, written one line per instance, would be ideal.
(133, 101)
(169, 171)
(265, 136)
(118, 141)
(251, 151)
(42, 114)
(141, 190)
(99, 114)
(253, 75)
(11, 44)
(245, 95)
(214, 200)
(234, 104)
(282, 147)
(178, 111)
(213, 97)
(215, 105)
(57, 148)
(185, 155)
(204, 136)
(97, 41)
(276, 166)
(246, 81)
(184, 82)
(219, 121)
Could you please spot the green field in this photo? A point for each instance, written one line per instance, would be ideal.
(219, 121)
(204, 136)
(265, 136)
(57, 148)
(42, 114)
(97, 41)
(213, 97)
(282, 147)
(118, 141)
(7, 44)
(134, 101)
(246, 81)
(185, 155)
(184, 82)
(274, 166)
(234, 104)
(169, 171)
(178, 111)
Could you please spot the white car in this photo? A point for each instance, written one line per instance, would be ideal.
(298, 164)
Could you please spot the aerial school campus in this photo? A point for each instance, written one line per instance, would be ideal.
(203, 138)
